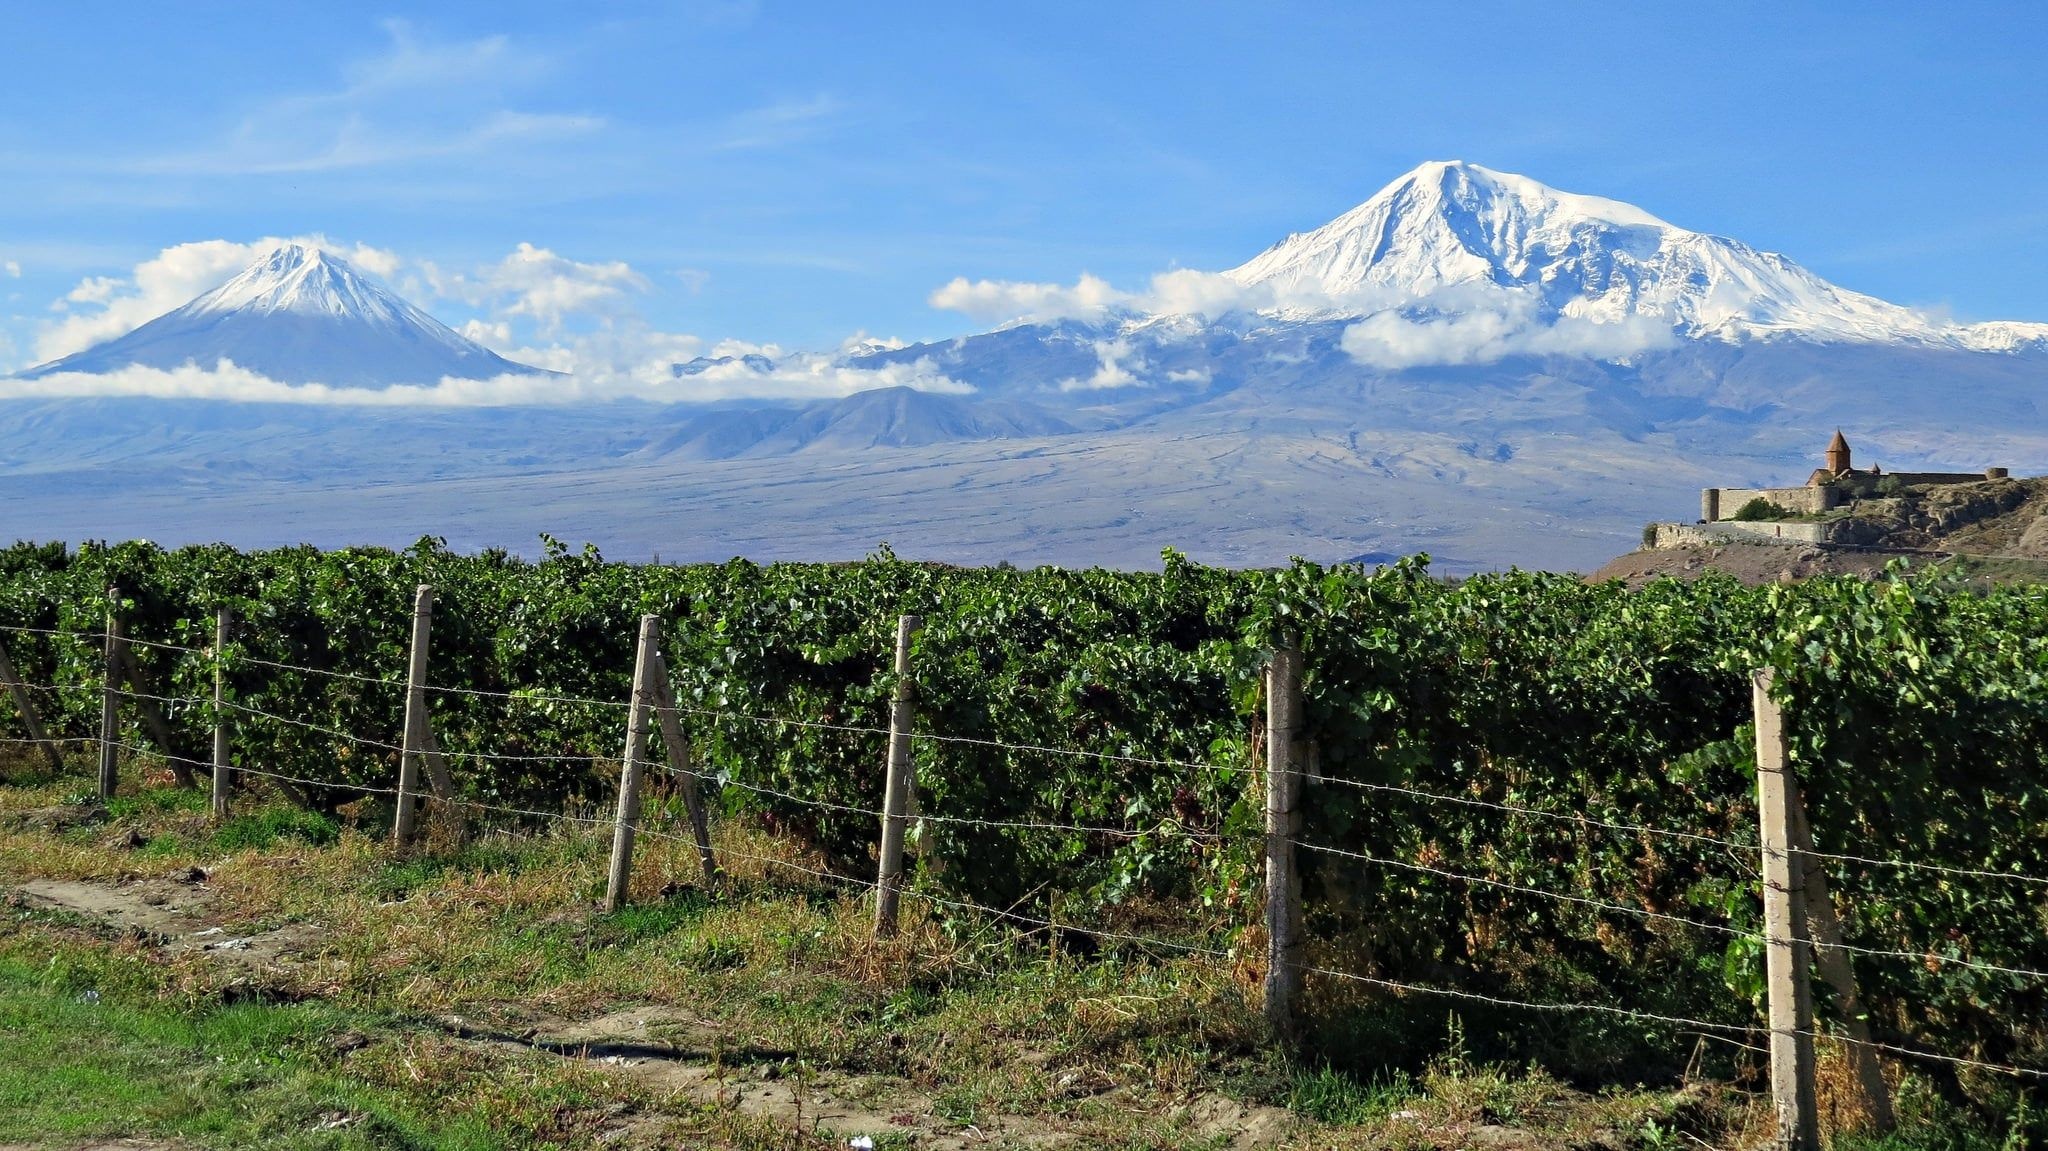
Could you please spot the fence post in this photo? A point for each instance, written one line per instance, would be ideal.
(1834, 966)
(636, 757)
(26, 705)
(897, 788)
(1283, 882)
(221, 620)
(153, 719)
(1786, 951)
(110, 713)
(685, 768)
(414, 746)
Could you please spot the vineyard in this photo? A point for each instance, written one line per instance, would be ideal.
(1525, 797)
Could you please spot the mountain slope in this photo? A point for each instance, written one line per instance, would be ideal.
(1473, 235)
(299, 316)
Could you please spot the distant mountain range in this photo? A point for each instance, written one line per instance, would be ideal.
(1469, 362)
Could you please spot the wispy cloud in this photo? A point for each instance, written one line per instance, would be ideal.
(420, 99)
(775, 125)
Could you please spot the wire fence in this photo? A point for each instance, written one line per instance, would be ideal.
(234, 711)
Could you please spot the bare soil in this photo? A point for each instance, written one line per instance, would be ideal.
(1752, 563)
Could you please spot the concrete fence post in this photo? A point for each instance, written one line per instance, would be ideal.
(405, 825)
(896, 790)
(110, 704)
(1786, 950)
(1283, 881)
(221, 620)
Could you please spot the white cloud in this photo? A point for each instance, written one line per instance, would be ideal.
(542, 286)
(496, 337)
(1178, 292)
(1472, 324)
(94, 290)
(120, 304)
(1482, 326)
(804, 377)
(1110, 371)
(1011, 301)
(809, 376)
(862, 342)
(12, 268)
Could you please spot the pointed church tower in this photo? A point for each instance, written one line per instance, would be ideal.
(1838, 453)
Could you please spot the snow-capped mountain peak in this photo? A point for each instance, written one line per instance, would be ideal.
(1448, 223)
(299, 315)
(306, 280)
(1453, 237)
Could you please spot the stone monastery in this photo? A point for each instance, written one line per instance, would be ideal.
(1831, 485)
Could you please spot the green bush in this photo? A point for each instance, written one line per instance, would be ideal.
(1760, 508)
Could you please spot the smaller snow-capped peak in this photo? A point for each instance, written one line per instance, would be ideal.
(305, 280)
(299, 315)
(1451, 237)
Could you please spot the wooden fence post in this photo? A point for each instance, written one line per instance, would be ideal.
(404, 828)
(1786, 951)
(110, 708)
(685, 768)
(221, 620)
(897, 788)
(31, 721)
(636, 758)
(1283, 882)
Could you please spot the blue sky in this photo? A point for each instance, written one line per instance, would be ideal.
(794, 173)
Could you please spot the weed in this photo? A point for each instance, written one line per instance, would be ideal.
(263, 829)
(1329, 1096)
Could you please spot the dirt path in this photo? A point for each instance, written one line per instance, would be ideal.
(694, 1059)
(681, 1056)
(177, 915)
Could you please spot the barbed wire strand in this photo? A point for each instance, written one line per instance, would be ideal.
(1599, 904)
(1109, 756)
(1163, 829)
(1011, 915)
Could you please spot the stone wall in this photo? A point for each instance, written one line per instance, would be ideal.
(1728, 531)
(1725, 502)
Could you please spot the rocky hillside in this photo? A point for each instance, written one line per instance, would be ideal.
(1997, 530)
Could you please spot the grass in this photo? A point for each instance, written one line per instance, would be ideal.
(772, 980)
(81, 1064)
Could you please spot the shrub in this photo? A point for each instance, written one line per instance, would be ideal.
(1760, 508)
